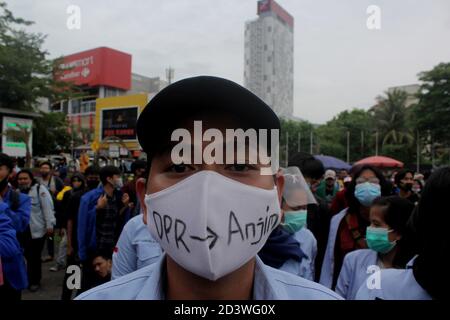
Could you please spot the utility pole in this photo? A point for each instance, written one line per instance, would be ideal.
(311, 143)
(376, 143)
(348, 146)
(287, 148)
(169, 74)
(418, 152)
(362, 143)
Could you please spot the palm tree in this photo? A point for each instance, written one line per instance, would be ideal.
(21, 134)
(390, 116)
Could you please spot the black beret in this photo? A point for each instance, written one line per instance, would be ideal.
(188, 97)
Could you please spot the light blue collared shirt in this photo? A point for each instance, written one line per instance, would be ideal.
(354, 272)
(308, 244)
(395, 284)
(269, 284)
(135, 249)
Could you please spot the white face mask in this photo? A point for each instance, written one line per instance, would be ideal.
(210, 224)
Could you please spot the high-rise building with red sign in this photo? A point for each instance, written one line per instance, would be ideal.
(269, 57)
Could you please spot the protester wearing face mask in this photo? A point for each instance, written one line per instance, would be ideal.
(101, 217)
(348, 228)
(387, 242)
(404, 181)
(426, 275)
(197, 210)
(318, 219)
(292, 247)
(42, 221)
(136, 248)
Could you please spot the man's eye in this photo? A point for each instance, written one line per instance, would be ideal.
(240, 167)
(180, 168)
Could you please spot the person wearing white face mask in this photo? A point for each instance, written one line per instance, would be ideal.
(211, 219)
(387, 239)
(348, 228)
(296, 197)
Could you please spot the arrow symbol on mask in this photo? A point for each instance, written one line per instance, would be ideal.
(211, 234)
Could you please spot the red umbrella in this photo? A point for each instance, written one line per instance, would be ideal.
(380, 161)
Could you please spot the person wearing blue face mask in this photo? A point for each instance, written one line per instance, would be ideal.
(348, 228)
(387, 239)
(296, 197)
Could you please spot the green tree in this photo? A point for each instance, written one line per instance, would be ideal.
(396, 131)
(357, 126)
(432, 113)
(295, 134)
(50, 134)
(25, 72)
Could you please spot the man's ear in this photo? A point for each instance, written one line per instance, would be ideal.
(279, 181)
(141, 186)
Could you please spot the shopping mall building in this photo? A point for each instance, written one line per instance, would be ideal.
(99, 73)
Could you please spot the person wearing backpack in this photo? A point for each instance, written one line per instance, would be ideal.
(15, 205)
(14, 213)
(42, 221)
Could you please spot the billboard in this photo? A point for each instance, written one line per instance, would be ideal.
(97, 67)
(273, 6)
(117, 116)
(13, 145)
(119, 122)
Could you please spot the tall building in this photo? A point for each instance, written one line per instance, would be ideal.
(269, 57)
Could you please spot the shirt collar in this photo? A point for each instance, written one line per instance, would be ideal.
(153, 288)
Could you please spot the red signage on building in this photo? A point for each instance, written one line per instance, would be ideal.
(271, 5)
(97, 67)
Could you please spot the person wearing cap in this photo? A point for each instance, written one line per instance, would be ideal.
(210, 217)
(292, 247)
(328, 187)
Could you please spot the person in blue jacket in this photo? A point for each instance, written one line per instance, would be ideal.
(427, 274)
(387, 239)
(211, 219)
(101, 217)
(11, 260)
(14, 204)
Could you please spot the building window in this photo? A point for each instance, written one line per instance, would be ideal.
(269, 59)
(268, 89)
(265, 47)
(269, 29)
(265, 77)
(75, 106)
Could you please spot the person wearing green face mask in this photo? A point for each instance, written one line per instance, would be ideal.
(387, 241)
(296, 197)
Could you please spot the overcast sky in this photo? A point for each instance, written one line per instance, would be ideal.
(339, 63)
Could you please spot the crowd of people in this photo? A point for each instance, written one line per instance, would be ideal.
(224, 231)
